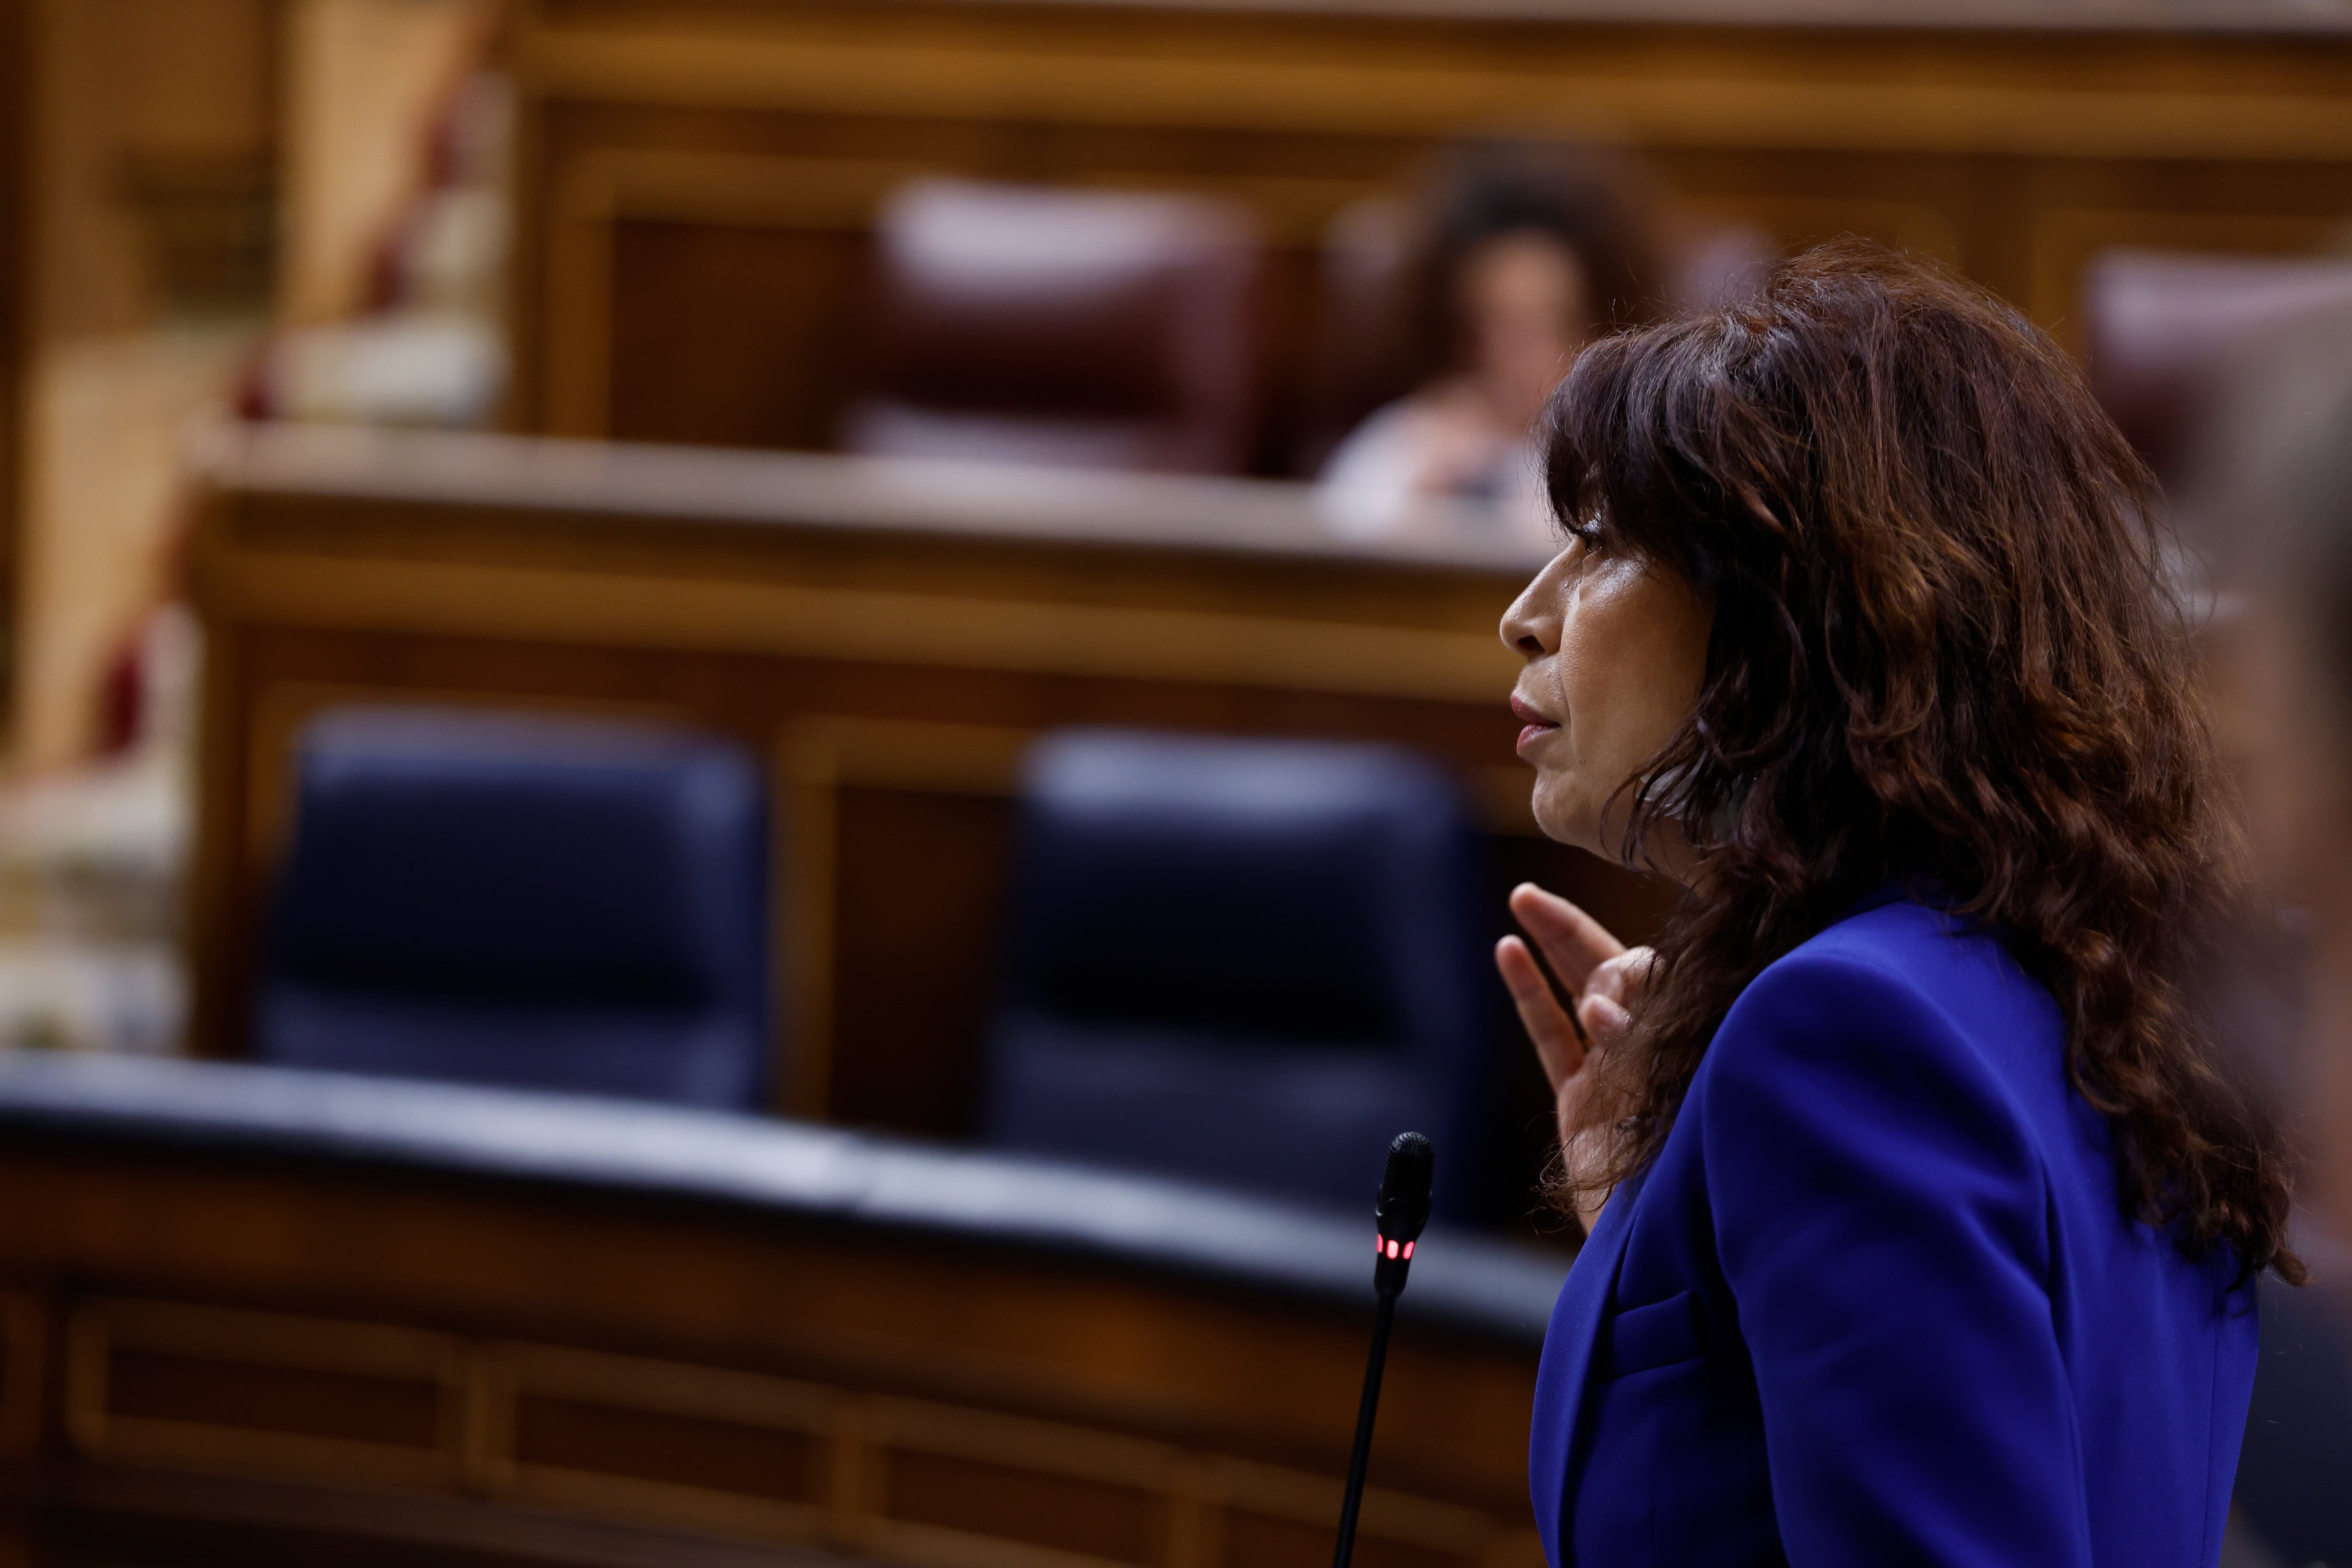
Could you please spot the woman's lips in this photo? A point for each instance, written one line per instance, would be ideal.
(1537, 724)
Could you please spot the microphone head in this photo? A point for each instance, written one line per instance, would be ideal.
(1404, 1206)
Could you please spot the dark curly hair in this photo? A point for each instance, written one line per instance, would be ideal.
(1947, 648)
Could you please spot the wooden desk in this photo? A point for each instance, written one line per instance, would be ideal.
(888, 637)
(698, 176)
(259, 1317)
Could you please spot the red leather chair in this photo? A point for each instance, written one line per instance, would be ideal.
(1090, 328)
(2165, 331)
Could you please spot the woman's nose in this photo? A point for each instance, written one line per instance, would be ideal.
(1530, 626)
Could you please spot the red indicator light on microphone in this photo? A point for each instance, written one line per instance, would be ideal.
(1408, 1250)
(1392, 1249)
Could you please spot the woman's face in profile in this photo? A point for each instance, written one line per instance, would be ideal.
(1616, 651)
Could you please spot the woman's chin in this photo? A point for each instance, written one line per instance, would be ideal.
(1564, 818)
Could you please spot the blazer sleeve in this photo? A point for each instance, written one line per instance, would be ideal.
(1880, 1213)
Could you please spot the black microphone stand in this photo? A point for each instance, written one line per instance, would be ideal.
(1401, 1212)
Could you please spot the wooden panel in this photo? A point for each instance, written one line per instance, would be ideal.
(158, 1384)
(425, 1368)
(744, 148)
(575, 1442)
(733, 337)
(2088, 92)
(660, 1442)
(920, 892)
(17, 53)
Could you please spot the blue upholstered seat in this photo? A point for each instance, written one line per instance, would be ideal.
(523, 900)
(1248, 962)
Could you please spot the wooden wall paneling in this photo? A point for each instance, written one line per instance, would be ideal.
(783, 125)
(2093, 91)
(124, 1516)
(24, 1353)
(935, 1321)
(17, 53)
(188, 1386)
(666, 1443)
(712, 1449)
(921, 903)
(220, 908)
(656, 258)
(1930, 204)
(371, 1354)
(889, 1041)
(728, 336)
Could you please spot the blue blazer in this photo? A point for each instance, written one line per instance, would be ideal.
(1875, 1302)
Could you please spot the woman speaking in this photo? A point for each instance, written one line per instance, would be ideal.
(1922, 1224)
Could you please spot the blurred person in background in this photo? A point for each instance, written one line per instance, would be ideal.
(1924, 1224)
(1519, 254)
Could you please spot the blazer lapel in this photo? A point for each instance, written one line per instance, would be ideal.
(1576, 1322)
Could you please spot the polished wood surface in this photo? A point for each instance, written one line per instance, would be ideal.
(2275, 17)
(698, 176)
(887, 637)
(16, 251)
(232, 1336)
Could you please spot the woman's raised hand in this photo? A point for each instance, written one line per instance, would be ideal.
(1603, 977)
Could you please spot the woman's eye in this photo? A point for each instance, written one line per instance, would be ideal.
(1586, 533)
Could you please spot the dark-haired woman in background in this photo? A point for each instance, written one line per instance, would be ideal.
(1519, 252)
(1925, 1222)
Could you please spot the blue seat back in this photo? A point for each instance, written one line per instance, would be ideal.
(1249, 962)
(522, 900)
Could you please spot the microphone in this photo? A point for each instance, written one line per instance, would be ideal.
(1398, 1216)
